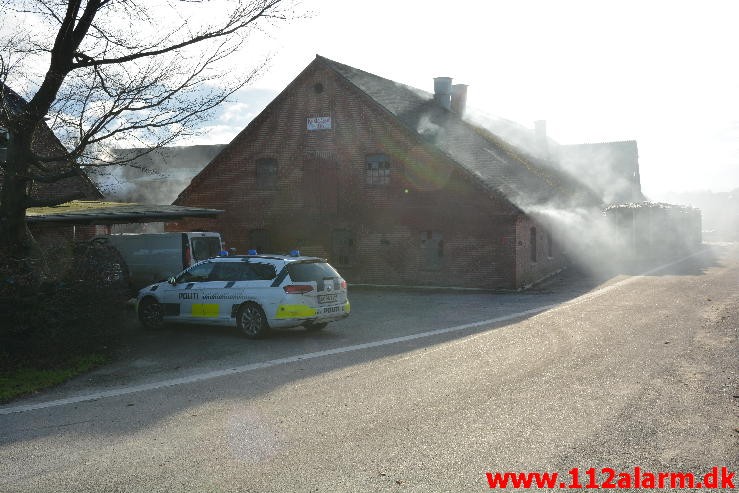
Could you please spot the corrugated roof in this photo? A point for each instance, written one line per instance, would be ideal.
(497, 165)
(98, 212)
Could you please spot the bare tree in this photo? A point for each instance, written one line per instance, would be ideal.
(99, 72)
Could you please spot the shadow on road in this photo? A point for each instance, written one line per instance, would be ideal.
(182, 351)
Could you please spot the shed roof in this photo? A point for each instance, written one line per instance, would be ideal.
(99, 212)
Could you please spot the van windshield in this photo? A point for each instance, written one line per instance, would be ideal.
(310, 271)
(205, 247)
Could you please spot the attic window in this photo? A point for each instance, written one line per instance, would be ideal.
(266, 173)
(318, 87)
(378, 169)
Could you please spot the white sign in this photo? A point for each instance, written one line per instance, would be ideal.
(319, 123)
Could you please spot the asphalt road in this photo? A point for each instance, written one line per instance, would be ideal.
(411, 393)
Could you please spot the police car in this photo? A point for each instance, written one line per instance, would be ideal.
(254, 292)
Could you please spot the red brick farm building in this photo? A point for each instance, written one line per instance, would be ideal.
(386, 181)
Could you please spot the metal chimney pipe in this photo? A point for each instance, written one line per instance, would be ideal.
(459, 98)
(443, 91)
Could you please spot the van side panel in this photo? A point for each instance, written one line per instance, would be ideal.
(152, 257)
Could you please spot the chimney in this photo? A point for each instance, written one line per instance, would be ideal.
(540, 134)
(443, 91)
(459, 98)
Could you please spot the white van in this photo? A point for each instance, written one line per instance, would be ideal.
(152, 257)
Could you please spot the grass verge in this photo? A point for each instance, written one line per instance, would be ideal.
(27, 380)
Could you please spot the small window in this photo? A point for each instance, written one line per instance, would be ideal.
(432, 246)
(266, 173)
(549, 244)
(342, 247)
(532, 234)
(378, 169)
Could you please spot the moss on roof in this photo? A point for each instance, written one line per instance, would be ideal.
(75, 206)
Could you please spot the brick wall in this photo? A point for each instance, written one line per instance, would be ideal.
(431, 224)
(548, 258)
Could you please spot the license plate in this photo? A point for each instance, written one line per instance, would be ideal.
(332, 309)
(327, 298)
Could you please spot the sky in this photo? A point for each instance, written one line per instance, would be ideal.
(663, 73)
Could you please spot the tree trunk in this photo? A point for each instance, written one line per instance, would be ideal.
(14, 195)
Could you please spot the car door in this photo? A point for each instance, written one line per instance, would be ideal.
(186, 292)
(218, 294)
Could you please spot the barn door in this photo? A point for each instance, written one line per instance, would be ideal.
(322, 185)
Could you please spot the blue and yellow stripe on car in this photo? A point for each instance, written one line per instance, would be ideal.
(295, 311)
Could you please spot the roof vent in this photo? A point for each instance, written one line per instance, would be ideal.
(443, 91)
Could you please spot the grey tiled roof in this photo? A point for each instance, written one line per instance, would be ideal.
(500, 167)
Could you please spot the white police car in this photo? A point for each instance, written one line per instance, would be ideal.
(254, 292)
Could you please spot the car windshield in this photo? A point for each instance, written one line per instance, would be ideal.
(310, 271)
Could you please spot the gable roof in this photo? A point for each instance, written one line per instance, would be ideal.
(45, 143)
(497, 165)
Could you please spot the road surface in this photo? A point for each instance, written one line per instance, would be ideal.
(417, 391)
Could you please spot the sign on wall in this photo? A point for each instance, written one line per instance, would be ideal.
(319, 123)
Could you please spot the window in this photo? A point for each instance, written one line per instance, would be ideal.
(342, 247)
(378, 169)
(266, 173)
(197, 273)
(549, 244)
(310, 271)
(242, 271)
(532, 234)
(432, 246)
(205, 247)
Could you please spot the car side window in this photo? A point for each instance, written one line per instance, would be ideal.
(242, 271)
(197, 273)
(263, 272)
(227, 271)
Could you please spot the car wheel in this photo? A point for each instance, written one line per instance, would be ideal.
(151, 314)
(315, 327)
(251, 321)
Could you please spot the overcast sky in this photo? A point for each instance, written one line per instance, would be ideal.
(664, 73)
